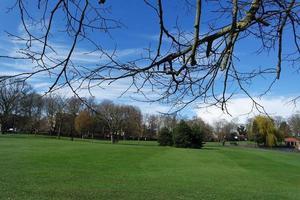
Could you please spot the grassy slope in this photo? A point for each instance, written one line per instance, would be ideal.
(39, 168)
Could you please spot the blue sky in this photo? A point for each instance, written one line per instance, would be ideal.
(141, 30)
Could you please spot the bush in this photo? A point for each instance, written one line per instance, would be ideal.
(182, 135)
(165, 137)
(197, 137)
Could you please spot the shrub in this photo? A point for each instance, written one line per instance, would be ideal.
(165, 137)
(182, 135)
(196, 136)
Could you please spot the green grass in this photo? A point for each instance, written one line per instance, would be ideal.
(43, 168)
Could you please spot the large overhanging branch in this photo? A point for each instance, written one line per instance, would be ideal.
(199, 68)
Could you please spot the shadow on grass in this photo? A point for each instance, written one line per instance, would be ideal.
(136, 144)
(211, 148)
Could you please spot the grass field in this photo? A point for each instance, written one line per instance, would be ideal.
(44, 168)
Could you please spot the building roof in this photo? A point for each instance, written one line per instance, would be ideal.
(291, 139)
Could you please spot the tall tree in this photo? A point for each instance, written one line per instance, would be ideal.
(60, 113)
(11, 92)
(204, 129)
(132, 125)
(73, 107)
(83, 122)
(112, 115)
(284, 129)
(54, 104)
(31, 108)
(151, 123)
(223, 129)
(265, 130)
(294, 122)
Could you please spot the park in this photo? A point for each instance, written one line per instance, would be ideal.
(149, 99)
(39, 167)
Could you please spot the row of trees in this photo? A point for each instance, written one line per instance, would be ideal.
(262, 129)
(269, 131)
(24, 110)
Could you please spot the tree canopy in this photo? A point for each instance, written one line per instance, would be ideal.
(264, 130)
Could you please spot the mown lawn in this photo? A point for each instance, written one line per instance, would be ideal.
(44, 168)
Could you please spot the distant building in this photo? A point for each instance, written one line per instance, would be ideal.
(292, 142)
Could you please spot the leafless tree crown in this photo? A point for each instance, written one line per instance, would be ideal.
(181, 68)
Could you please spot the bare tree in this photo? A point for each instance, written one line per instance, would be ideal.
(168, 121)
(61, 108)
(31, 107)
(73, 107)
(132, 123)
(11, 92)
(112, 115)
(54, 108)
(152, 126)
(51, 109)
(218, 129)
(183, 68)
(294, 122)
(223, 129)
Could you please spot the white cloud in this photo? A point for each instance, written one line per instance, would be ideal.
(79, 56)
(241, 108)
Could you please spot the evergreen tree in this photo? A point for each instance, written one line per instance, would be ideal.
(165, 137)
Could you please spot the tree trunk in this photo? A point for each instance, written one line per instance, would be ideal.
(112, 138)
(72, 137)
(58, 133)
